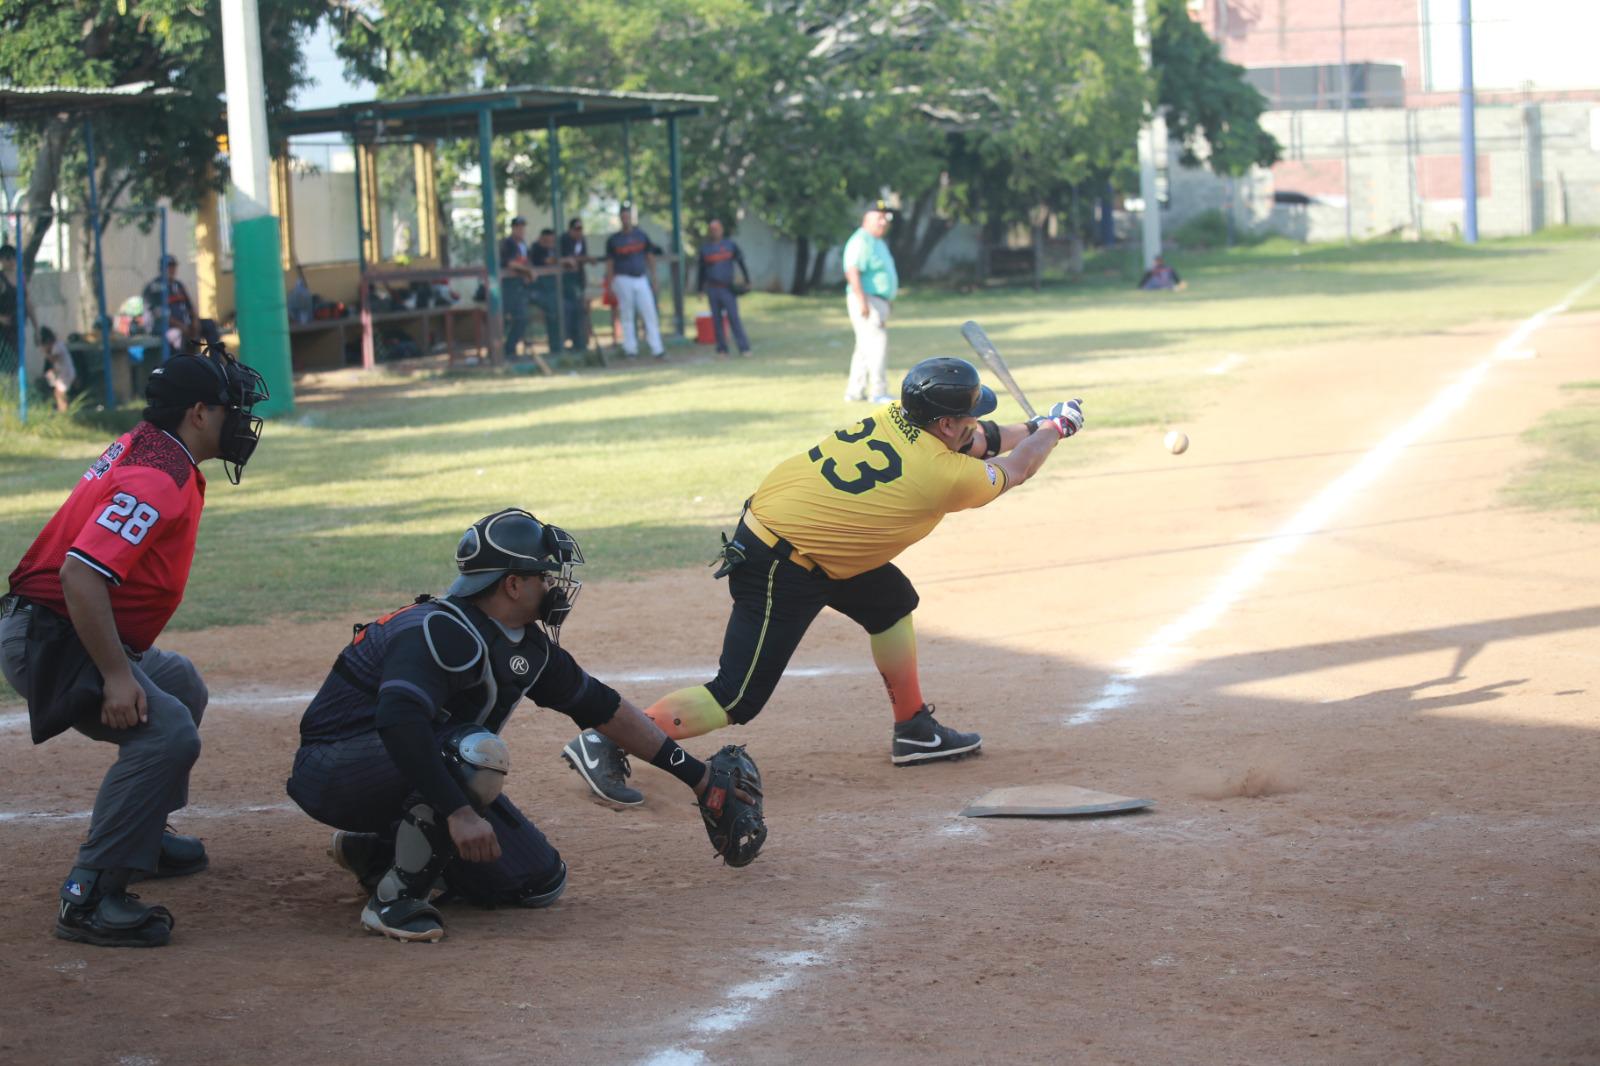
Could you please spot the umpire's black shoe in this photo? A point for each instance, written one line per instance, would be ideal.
(604, 766)
(367, 855)
(97, 908)
(180, 857)
(921, 739)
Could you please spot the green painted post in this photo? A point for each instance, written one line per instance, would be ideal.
(627, 163)
(557, 224)
(262, 311)
(678, 279)
(490, 258)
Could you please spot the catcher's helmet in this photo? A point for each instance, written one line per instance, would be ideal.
(944, 387)
(514, 542)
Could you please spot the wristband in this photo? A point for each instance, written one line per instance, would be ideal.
(1033, 426)
(679, 763)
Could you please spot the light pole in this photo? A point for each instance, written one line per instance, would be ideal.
(1147, 146)
(1469, 133)
(257, 258)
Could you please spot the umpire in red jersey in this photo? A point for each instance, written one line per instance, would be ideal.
(86, 604)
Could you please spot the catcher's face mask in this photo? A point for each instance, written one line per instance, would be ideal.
(561, 586)
(515, 542)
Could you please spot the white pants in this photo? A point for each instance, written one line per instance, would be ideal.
(634, 296)
(867, 363)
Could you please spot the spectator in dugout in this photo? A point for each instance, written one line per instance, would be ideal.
(516, 277)
(546, 290)
(59, 371)
(9, 326)
(168, 307)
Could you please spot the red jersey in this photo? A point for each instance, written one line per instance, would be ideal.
(133, 519)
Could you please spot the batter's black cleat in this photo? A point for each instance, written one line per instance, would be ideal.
(604, 766)
(921, 739)
(405, 919)
(367, 855)
(97, 908)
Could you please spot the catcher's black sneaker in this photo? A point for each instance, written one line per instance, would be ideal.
(367, 855)
(921, 739)
(97, 908)
(604, 766)
(404, 919)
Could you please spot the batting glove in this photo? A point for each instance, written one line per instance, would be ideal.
(1065, 418)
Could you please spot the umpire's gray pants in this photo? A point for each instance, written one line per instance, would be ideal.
(150, 778)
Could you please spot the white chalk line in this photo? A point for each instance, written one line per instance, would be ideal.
(1231, 360)
(272, 698)
(1152, 656)
(197, 811)
(781, 971)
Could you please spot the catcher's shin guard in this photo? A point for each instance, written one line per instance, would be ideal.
(400, 907)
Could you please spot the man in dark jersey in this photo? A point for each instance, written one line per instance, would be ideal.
(574, 248)
(93, 593)
(548, 288)
(516, 281)
(400, 749)
(718, 256)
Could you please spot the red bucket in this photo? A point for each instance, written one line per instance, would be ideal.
(705, 332)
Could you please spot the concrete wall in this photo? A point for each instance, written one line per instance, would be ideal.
(1537, 166)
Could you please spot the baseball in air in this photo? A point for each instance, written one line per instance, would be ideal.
(1177, 442)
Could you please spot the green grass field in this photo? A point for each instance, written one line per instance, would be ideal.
(1567, 478)
(357, 499)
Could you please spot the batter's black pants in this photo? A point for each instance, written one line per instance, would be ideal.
(353, 784)
(774, 603)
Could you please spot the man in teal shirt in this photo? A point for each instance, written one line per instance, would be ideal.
(870, 287)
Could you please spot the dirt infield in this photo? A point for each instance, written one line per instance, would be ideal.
(1373, 762)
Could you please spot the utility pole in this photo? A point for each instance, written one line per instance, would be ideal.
(257, 258)
(1344, 107)
(1147, 146)
(1469, 133)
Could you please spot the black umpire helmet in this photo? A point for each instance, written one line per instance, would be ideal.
(216, 378)
(944, 387)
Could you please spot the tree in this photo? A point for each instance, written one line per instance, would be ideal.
(166, 148)
(1205, 97)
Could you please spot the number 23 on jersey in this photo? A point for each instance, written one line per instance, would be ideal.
(880, 464)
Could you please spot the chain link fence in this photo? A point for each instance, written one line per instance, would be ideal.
(56, 346)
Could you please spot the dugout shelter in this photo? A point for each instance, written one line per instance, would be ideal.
(422, 122)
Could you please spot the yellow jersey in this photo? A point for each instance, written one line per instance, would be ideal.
(869, 491)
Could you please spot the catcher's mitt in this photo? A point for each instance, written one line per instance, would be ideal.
(735, 826)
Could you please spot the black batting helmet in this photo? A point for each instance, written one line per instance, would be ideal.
(944, 387)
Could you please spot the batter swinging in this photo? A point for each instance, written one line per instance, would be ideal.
(821, 531)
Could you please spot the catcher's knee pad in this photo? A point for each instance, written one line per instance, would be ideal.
(478, 760)
(422, 849)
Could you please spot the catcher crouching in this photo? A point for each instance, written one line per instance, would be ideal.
(400, 749)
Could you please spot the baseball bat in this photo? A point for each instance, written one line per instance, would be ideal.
(991, 356)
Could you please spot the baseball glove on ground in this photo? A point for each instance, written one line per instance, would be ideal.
(735, 826)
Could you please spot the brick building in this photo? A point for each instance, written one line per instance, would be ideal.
(1399, 170)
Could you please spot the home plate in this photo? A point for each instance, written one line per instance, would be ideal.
(1050, 801)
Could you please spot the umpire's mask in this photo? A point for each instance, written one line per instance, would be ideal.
(515, 542)
(214, 377)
